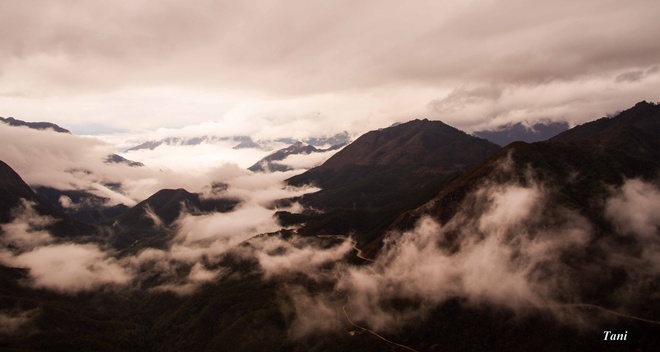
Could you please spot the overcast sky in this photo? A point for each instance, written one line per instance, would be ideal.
(275, 68)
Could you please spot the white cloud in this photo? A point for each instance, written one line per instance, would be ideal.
(27, 230)
(71, 267)
(305, 68)
(634, 208)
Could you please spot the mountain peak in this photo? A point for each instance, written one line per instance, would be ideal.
(416, 142)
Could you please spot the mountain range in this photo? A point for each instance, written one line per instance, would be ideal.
(272, 162)
(34, 125)
(458, 244)
(519, 132)
(245, 141)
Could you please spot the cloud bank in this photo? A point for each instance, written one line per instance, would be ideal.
(312, 68)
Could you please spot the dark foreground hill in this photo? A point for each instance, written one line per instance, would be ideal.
(382, 173)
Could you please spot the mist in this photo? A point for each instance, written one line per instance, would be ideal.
(506, 247)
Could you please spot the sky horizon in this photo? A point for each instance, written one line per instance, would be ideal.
(308, 69)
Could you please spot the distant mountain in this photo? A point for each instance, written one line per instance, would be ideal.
(245, 141)
(510, 133)
(339, 139)
(13, 189)
(241, 142)
(388, 171)
(270, 162)
(34, 125)
(118, 159)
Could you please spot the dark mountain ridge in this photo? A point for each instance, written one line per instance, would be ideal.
(633, 131)
(581, 164)
(385, 172)
(34, 125)
(418, 142)
(576, 173)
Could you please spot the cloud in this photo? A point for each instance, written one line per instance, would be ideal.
(307, 67)
(13, 323)
(314, 314)
(279, 257)
(261, 45)
(634, 209)
(501, 249)
(200, 242)
(307, 161)
(27, 230)
(70, 162)
(69, 268)
(62, 267)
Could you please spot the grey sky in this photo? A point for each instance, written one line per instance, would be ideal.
(311, 67)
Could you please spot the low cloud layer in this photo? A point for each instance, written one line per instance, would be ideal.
(70, 162)
(198, 244)
(504, 252)
(506, 247)
(56, 265)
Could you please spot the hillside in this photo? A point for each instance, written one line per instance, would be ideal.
(384, 172)
(572, 186)
(633, 131)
